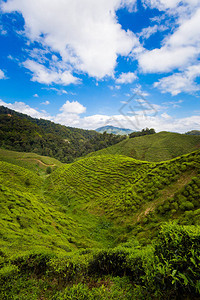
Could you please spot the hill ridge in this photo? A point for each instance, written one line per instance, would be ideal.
(156, 147)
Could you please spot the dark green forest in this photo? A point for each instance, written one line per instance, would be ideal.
(20, 132)
(145, 131)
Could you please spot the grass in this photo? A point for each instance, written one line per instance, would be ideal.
(156, 147)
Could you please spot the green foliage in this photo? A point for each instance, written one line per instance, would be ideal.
(178, 259)
(111, 288)
(48, 170)
(146, 131)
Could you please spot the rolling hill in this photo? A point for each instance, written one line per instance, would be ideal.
(31, 161)
(156, 147)
(96, 228)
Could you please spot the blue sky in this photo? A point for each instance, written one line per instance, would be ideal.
(87, 63)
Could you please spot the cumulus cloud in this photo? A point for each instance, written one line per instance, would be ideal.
(180, 82)
(179, 49)
(69, 115)
(45, 103)
(73, 107)
(166, 59)
(48, 76)
(86, 34)
(126, 78)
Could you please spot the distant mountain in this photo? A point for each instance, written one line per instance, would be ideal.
(20, 132)
(114, 130)
(193, 132)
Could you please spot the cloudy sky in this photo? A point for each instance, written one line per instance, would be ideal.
(90, 63)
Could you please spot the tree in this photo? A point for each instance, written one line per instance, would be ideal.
(48, 170)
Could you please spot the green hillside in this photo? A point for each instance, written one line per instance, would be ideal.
(20, 132)
(121, 187)
(156, 147)
(96, 229)
(31, 161)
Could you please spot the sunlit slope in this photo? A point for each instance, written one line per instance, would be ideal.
(121, 187)
(31, 161)
(156, 147)
(29, 220)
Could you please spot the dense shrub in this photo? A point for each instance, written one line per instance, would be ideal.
(177, 252)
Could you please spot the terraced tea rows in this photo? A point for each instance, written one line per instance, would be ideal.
(156, 147)
(117, 184)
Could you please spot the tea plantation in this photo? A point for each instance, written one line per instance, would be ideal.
(155, 147)
(104, 227)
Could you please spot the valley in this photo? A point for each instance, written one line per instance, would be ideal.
(106, 226)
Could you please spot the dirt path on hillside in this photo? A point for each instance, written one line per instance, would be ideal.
(37, 160)
(165, 194)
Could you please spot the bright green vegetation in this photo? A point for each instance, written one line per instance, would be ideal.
(155, 147)
(20, 132)
(104, 227)
(29, 161)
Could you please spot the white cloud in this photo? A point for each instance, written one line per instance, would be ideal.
(69, 115)
(166, 59)
(44, 75)
(165, 116)
(169, 4)
(45, 103)
(148, 31)
(180, 82)
(2, 75)
(179, 50)
(35, 95)
(58, 91)
(73, 107)
(126, 78)
(86, 33)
